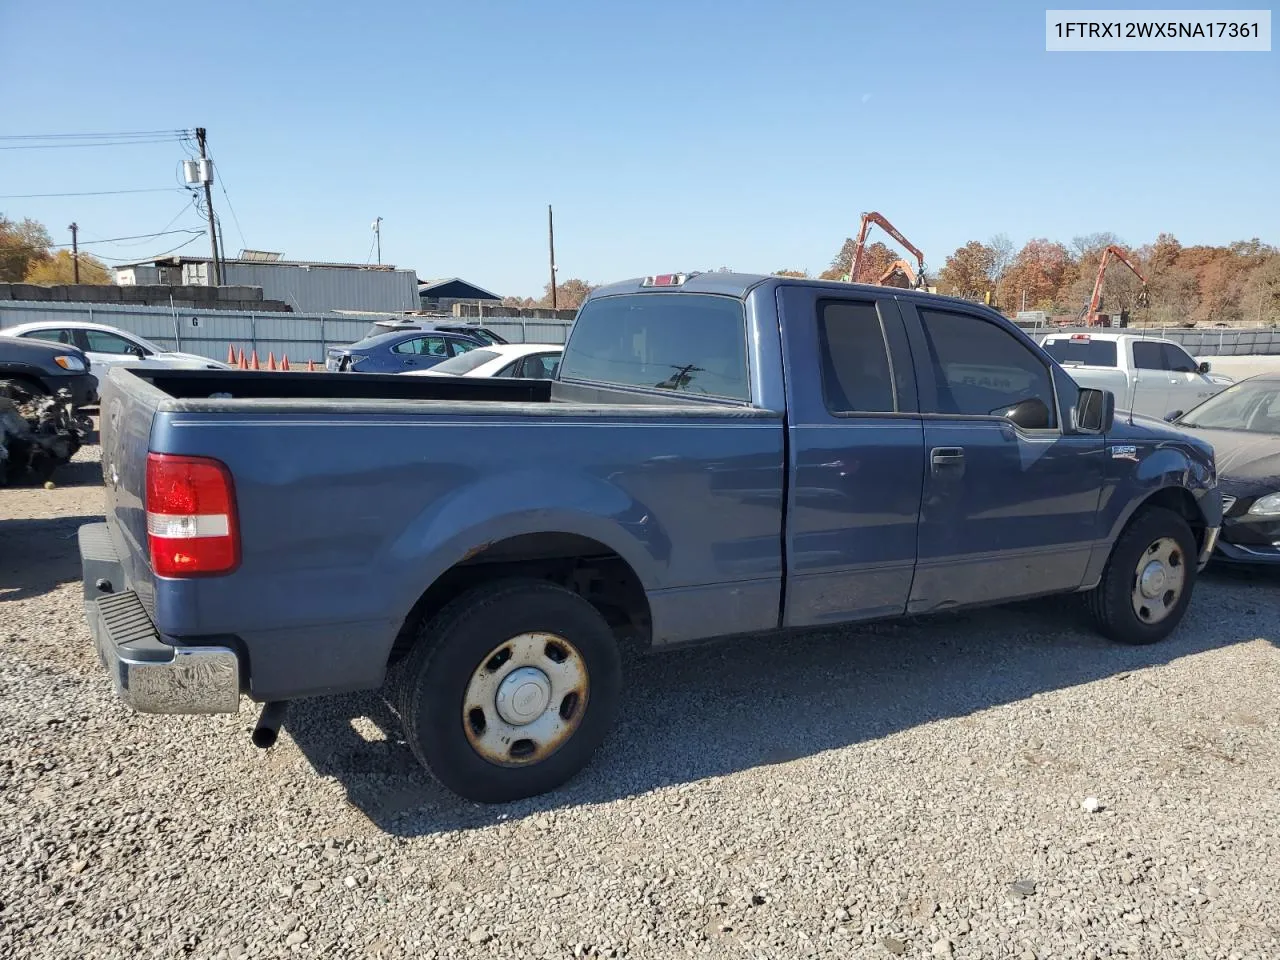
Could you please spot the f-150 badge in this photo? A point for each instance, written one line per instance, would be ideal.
(1124, 451)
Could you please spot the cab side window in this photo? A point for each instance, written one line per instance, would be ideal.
(980, 369)
(1150, 356)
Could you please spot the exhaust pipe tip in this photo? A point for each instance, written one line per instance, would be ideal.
(267, 731)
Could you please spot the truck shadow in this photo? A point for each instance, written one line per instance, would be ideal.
(715, 710)
(38, 555)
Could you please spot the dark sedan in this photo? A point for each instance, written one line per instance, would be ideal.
(400, 352)
(42, 369)
(1243, 424)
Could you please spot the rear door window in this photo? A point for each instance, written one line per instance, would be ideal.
(856, 376)
(424, 346)
(681, 342)
(53, 336)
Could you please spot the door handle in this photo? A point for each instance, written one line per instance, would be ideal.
(944, 458)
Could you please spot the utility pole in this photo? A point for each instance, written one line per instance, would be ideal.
(377, 236)
(206, 177)
(75, 250)
(551, 242)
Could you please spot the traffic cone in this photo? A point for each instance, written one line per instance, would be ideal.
(271, 360)
(284, 361)
(242, 364)
(231, 355)
(311, 366)
(253, 362)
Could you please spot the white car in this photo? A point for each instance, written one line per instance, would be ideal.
(110, 346)
(528, 361)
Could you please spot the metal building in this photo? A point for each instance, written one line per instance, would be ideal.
(307, 286)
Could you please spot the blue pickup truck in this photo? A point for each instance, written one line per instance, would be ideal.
(719, 455)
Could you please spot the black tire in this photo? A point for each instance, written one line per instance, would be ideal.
(455, 644)
(1110, 603)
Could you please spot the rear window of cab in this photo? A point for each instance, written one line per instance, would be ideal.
(683, 342)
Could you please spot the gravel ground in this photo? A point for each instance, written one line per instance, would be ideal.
(915, 790)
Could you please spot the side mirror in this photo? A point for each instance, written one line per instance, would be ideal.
(1095, 410)
(1030, 414)
(138, 352)
(1204, 366)
(1170, 417)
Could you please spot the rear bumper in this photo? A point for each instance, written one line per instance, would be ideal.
(149, 675)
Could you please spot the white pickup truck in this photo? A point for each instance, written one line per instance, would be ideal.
(1151, 376)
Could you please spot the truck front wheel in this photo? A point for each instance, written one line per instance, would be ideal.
(510, 689)
(1148, 580)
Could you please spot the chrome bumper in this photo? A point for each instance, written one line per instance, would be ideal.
(1210, 542)
(151, 676)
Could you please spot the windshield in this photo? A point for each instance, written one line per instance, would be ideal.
(466, 362)
(689, 343)
(1090, 353)
(1252, 406)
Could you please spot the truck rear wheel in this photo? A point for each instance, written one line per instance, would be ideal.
(510, 689)
(1148, 580)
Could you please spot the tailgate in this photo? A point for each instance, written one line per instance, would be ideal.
(128, 406)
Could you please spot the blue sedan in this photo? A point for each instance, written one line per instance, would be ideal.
(400, 352)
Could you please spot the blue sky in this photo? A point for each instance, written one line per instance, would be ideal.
(667, 135)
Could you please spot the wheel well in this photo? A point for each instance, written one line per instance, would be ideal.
(25, 380)
(1180, 501)
(583, 565)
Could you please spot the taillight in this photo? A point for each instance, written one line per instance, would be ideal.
(192, 528)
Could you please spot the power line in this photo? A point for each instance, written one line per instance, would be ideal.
(85, 193)
(155, 256)
(141, 236)
(85, 143)
(92, 136)
(222, 183)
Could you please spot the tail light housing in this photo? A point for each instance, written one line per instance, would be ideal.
(192, 528)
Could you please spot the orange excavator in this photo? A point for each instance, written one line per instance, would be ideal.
(916, 279)
(1090, 312)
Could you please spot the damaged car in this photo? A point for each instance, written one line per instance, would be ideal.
(1243, 424)
(42, 387)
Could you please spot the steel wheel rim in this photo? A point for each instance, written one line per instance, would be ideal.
(1158, 580)
(525, 699)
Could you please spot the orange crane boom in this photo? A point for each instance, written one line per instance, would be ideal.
(891, 230)
(1091, 318)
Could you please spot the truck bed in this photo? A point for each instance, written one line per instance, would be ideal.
(355, 492)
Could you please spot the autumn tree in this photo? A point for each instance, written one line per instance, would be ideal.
(803, 274)
(60, 268)
(1001, 248)
(1260, 299)
(876, 259)
(1036, 275)
(967, 272)
(21, 244)
(569, 295)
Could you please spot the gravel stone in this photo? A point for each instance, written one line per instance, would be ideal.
(1090, 804)
(868, 792)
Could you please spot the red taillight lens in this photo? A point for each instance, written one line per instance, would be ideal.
(191, 516)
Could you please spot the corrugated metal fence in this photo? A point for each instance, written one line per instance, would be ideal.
(302, 336)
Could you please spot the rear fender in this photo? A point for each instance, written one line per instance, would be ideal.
(527, 501)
